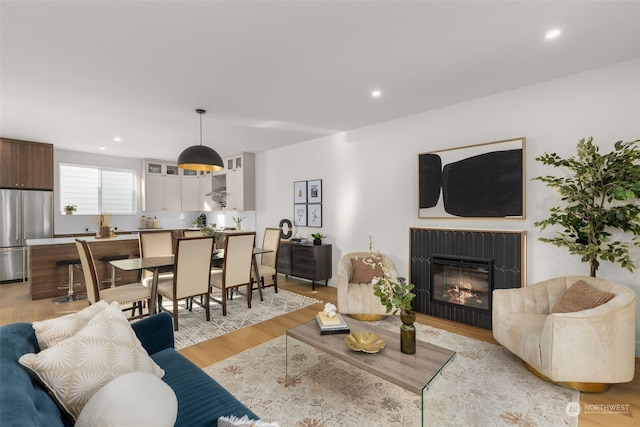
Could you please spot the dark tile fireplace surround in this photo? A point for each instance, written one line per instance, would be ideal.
(467, 265)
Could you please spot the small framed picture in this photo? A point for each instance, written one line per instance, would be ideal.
(314, 214)
(314, 191)
(300, 192)
(300, 215)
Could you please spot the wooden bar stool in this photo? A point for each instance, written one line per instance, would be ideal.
(113, 277)
(71, 295)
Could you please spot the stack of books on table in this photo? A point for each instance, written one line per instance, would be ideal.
(332, 325)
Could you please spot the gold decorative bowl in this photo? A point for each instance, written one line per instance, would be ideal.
(366, 342)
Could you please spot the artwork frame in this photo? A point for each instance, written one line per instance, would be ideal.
(314, 215)
(300, 214)
(480, 181)
(314, 191)
(299, 192)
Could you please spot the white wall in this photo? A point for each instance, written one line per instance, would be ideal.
(370, 175)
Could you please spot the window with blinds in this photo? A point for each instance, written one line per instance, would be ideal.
(97, 190)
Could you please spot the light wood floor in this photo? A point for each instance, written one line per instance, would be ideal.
(16, 306)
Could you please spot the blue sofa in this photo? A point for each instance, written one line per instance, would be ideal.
(24, 402)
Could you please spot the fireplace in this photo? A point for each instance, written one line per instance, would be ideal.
(463, 281)
(455, 271)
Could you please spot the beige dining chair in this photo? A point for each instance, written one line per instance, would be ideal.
(134, 294)
(268, 265)
(153, 244)
(191, 275)
(237, 266)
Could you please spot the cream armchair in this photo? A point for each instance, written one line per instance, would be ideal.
(584, 350)
(357, 299)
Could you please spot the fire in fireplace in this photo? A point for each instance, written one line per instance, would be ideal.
(461, 280)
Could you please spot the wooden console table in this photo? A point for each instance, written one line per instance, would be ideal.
(307, 261)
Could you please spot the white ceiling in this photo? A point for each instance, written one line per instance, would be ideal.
(272, 73)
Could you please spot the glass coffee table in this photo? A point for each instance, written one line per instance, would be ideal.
(430, 372)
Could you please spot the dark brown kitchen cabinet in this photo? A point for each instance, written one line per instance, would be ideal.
(26, 165)
(311, 262)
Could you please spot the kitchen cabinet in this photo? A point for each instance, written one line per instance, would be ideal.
(162, 187)
(311, 262)
(195, 187)
(240, 182)
(26, 165)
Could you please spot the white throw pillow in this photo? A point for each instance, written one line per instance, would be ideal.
(131, 400)
(52, 331)
(75, 368)
(233, 421)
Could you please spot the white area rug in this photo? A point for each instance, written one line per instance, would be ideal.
(493, 388)
(193, 327)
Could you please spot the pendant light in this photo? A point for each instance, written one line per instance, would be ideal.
(200, 157)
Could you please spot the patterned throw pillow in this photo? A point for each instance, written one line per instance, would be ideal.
(52, 331)
(580, 296)
(75, 368)
(363, 273)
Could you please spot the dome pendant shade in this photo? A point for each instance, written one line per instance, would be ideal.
(200, 157)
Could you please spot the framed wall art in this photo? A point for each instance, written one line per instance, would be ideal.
(307, 203)
(300, 215)
(300, 192)
(475, 181)
(314, 215)
(314, 191)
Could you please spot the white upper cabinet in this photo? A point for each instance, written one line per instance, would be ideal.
(166, 187)
(162, 186)
(234, 189)
(196, 189)
(241, 182)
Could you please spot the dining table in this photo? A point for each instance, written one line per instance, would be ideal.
(164, 264)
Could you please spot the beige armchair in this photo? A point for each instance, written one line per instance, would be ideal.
(585, 350)
(357, 299)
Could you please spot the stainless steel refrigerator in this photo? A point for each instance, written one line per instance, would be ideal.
(24, 214)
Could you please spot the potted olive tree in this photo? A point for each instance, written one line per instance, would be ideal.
(600, 195)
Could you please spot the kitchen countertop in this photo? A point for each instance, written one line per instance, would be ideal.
(90, 239)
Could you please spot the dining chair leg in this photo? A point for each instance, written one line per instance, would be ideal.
(249, 292)
(224, 302)
(175, 314)
(206, 307)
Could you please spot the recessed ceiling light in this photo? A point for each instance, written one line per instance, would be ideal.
(552, 34)
(102, 148)
(376, 93)
(117, 139)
